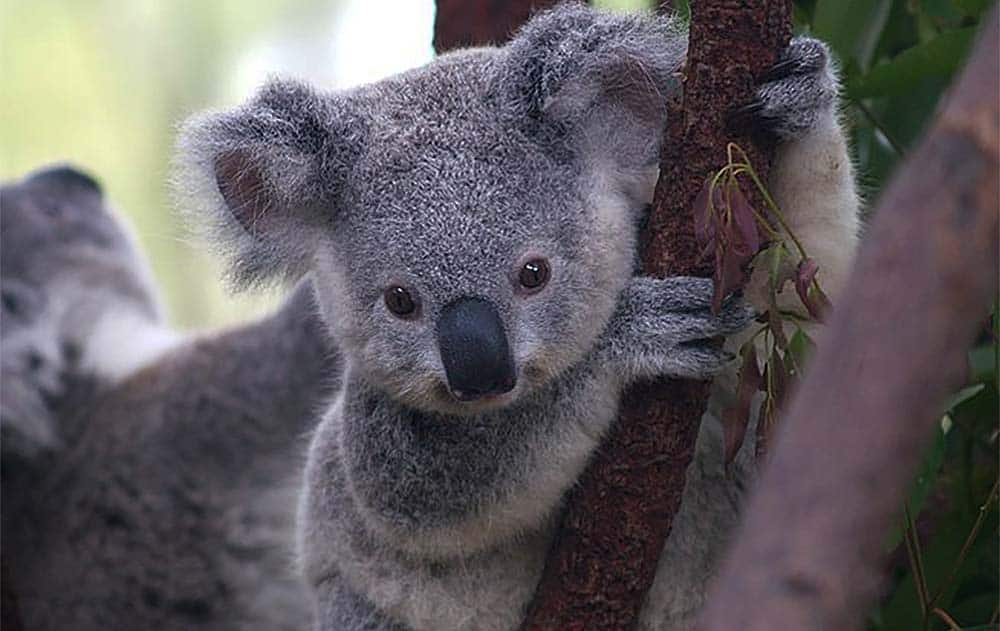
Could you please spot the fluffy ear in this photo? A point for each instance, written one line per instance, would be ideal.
(599, 80)
(268, 177)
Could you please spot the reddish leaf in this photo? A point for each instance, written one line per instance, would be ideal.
(744, 219)
(730, 275)
(704, 218)
(736, 418)
(718, 289)
(808, 289)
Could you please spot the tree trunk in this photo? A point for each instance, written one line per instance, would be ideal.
(604, 557)
(460, 23)
(810, 552)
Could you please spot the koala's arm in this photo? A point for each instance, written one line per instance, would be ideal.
(662, 327)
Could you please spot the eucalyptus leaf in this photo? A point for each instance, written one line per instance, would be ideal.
(851, 27)
(939, 57)
(964, 395)
(972, 8)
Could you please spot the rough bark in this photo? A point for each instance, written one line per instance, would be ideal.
(809, 555)
(460, 23)
(604, 557)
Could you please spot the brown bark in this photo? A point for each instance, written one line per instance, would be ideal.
(604, 557)
(460, 23)
(809, 556)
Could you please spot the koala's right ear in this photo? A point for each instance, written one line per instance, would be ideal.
(267, 177)
(594, 81)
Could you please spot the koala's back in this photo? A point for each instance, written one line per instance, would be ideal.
(174, 508)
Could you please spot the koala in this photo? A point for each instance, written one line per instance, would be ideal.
(149, 478)
(471, 230)
(73, 286)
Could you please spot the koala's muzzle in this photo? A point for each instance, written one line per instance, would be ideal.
(474, 350)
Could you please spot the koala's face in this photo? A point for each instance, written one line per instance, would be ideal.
(469, 224)
(468, 265)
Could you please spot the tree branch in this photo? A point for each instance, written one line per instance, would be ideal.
(604, 557)
(810, 552)
(460, 23)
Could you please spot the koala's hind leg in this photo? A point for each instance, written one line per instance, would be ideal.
(812, 179)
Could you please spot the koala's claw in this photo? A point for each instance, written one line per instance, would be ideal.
(803, 56)
(794, 93)
(735, 317)
(751, 116)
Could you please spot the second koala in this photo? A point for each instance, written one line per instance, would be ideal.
(471, 230)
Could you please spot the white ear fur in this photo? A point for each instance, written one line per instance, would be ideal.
(265, 178)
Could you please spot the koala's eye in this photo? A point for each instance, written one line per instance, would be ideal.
(399, 301)
(534, 274)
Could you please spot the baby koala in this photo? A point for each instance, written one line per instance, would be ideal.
(80, 310)
(471, 229)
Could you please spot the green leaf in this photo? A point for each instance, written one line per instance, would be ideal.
(777, 274)
(964, 395)
(972, 8)
(800, 347)
(851, 27)
(939, 57)
(981, 364)
(942, 13)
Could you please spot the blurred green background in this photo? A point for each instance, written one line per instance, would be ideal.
(103, 84)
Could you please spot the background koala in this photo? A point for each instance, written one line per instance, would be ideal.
(73, 289)
(148, 480)
(471, 226)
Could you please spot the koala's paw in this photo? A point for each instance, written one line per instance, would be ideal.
(798, 91)
(665, 327)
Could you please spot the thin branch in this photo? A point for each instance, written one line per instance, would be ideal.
(948, 620)
(916, 562)
(969, 540)
(879, 127)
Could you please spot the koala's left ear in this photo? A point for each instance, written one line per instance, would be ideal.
(599, 80)
(272, 174)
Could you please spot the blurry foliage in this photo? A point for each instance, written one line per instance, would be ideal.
(102, 84)
(897, 57)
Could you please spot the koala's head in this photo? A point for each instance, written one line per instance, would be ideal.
(469, 224)
(64, 260)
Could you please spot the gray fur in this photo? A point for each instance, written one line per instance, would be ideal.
(420, 511)
(65, 262)
(159, 499)
(173, 508)
(804, 91)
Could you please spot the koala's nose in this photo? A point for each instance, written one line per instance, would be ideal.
(474, 350)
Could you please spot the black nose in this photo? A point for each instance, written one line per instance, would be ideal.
(474, 350)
